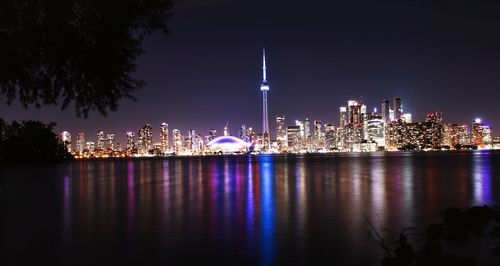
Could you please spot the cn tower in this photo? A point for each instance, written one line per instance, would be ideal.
(264, 87)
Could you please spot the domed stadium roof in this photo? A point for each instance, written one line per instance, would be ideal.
(228, 144)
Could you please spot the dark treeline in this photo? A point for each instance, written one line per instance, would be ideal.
(30, 142)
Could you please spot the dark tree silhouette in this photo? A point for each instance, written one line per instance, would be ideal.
(75, 52)
(30, 142)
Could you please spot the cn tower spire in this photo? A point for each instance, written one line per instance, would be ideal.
(264, 87)
(264, 74)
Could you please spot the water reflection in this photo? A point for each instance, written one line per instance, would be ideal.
(481, 176)
(262, 210)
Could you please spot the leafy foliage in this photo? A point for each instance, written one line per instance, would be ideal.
(79, 52)
(30, 142)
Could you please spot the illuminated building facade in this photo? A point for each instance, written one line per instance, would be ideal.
(65, 137)
(330, 137)
(164, 138)
(481, 134)
(130, 142)
(80, 142)
(100, 140)
(281, 137)
(145, 139)
(294, 138)
(178, 141)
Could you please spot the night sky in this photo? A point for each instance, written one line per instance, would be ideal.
(437, 55)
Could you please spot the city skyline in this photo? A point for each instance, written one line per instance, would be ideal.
(438, 57)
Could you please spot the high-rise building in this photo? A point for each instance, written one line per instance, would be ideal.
(212, 134)
(375, 129)
(481, 134)
(178, 141)
(330, 137)
(164, 137)
(90, 146)
(354, 112)
(111, 141)
(100, 140)
(80, 142)
(130, 139)
(318, 142)
(398, 109)
(293, 134)
(243, 132)
(145, 139)
(343, 116)
(65, 137)
(264, 87)
(281, 133)
(386, 107)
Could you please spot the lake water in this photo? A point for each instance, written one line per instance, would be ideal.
(245, 210)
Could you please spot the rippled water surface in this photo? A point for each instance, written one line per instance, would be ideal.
(248, 210)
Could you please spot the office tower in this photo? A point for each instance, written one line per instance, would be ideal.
(130, 140)
(243, 132)
(386, 107)
(434, 117)
(481, 134)
(307, 129)
(164, 137)
(252, 138)
(459, 136)
(293, 134)
(192, 140)
(264, 87)
(318, 135)
(111, 141)
(100, 140)
(354, 112)
(145, 139)
(65, 137)
(80, 142)
(178, 141)
(281, 133)
(90, 146)
(212, 134)
(375, 129)
(398, 109)
(343, 116)
(330, 137)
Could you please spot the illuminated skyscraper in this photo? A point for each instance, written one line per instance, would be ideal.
(386, 108)
(164, 137)
(318, 142)
(398, 109)
(130, 138)
(343, 116)
(66, 140)
(293, 137)
(100, 140)
(264, 87)
(80, 142)
(281, 132)
(145, 141)
(111, 141)
(212, 133)
(178, 141)
(330, 137)
(481, 134)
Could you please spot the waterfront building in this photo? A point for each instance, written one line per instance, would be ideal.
(111, 143)
(318, 142)
(145, 139)
(375, 129)
(80, 142)
(343, 116)
(281, 137)
(330, 137)
(481, 134)
(100, 140)
(398, 109)
(65, 137)
(294, 138)
(386, 107)
(177, 141)
(130, 142)
(164, 138)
